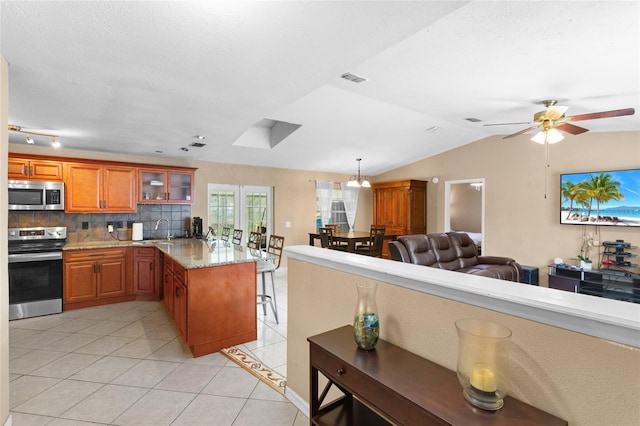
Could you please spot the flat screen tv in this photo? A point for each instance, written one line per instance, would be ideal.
(600, 198)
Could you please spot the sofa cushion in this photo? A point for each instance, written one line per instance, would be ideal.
(419, 249)
(466, 249)
(444, 251)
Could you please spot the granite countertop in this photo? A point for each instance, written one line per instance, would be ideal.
(188, 252)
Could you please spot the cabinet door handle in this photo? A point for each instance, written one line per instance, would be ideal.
(30, 170)
(177, 292)
(151, 266)
(340, 371)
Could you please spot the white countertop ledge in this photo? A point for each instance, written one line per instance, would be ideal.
(612, 320)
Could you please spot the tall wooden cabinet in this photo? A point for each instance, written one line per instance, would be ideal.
(401, 206)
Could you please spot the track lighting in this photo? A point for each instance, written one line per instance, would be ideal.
(54, 142)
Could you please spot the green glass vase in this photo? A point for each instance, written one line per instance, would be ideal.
(366, 326)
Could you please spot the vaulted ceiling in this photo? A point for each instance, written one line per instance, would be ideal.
(142, 77)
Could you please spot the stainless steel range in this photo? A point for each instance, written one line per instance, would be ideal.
(35, 271)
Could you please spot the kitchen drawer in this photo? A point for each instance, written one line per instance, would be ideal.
(180, 273)
(93, 254)
(145, 251)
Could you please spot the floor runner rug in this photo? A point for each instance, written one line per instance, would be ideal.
(255, 367)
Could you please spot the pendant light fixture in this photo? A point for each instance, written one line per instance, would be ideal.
(358, 181)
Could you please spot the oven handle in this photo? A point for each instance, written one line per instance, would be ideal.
(34, 257)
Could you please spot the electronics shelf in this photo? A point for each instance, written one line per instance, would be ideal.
(616, 254)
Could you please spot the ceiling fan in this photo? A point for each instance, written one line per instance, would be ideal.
(553, 119)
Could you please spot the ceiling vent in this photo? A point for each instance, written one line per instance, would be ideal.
(197, 144)
(473, 120)
(353, 77)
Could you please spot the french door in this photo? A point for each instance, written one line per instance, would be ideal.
(245, 207)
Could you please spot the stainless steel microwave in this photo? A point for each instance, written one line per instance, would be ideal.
(36, 195)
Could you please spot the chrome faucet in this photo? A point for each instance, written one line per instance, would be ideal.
(168, 227)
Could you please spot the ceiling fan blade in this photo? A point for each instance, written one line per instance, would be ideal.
(570, 128)
(555, 112)
(603, 114)
(508, 124)
(522, 131)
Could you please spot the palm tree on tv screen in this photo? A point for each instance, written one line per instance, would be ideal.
(604, 189)
(569, 192)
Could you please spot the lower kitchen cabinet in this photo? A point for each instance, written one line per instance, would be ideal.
(145, 273)
(167, 283)
(94, 277)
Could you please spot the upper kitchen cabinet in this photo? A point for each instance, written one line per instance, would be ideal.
(34, 169)
(168, 186)
(99, 188)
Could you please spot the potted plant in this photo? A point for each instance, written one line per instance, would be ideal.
(585, 263)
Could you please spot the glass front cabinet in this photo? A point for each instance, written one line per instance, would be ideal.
(165, 186)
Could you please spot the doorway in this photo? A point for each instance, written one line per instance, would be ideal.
(245, 207)
(464, 209)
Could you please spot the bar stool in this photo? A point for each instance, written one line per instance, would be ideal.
(275, 249)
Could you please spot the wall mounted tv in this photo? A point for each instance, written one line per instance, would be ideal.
(600, 198)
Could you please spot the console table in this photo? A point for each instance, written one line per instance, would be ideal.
(390, 385)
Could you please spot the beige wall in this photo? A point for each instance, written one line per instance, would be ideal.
(4, 277)
(582, 379)
(519, 221)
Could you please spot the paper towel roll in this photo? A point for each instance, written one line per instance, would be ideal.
(136, 232)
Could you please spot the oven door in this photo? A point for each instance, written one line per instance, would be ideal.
(35, 284)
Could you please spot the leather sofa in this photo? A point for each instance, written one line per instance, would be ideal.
(454, 251)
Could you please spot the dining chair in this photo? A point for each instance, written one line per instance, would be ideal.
(275, 249)
(374, 246)
(226, 232)
(326, 237)
(237, 237)
(255, 240)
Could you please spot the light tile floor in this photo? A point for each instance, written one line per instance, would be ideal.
(124, 364)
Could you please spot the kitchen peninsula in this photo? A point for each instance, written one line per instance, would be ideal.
(208, 288)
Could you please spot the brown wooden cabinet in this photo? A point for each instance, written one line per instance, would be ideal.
(145, 273)
(180, 305)
(28, 168)
(167, 284)
(401, 206)
(165, 186)
(93, 275)
(213, 307)
(96, 188)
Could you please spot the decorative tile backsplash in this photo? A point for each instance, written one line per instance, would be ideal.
(83, 227)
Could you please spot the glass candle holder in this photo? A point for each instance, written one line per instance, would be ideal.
(366, 327)
(483, 362)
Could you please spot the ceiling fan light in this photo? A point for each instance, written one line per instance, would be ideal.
(554, 136)
(365, 183)
(539, 137)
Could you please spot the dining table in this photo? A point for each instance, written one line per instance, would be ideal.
(349, 237)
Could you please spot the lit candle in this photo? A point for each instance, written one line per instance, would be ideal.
(483, 379)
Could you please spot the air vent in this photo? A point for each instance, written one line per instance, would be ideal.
(197, 144)
(473, 120)
(353, 77)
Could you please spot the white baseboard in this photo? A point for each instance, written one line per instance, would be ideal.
(298, 401)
